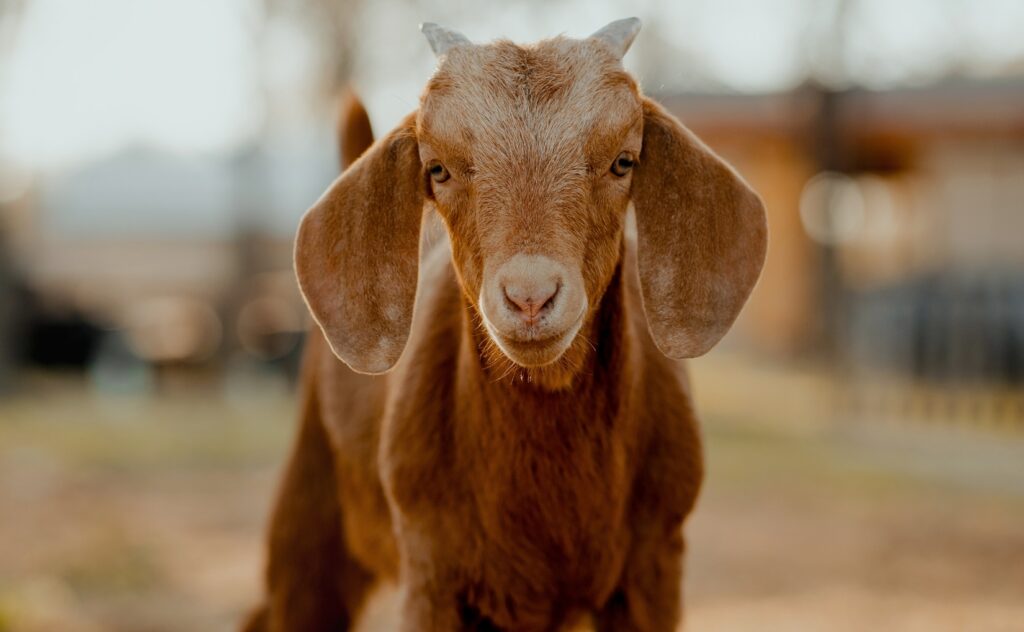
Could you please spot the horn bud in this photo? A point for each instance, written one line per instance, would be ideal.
(619, 35)
(442, 39)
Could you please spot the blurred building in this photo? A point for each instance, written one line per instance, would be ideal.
(896, 222)
(187, 259)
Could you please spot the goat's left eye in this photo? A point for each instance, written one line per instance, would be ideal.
(437, 171)
(623, 164)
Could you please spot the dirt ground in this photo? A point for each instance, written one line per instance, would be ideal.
(145, 514)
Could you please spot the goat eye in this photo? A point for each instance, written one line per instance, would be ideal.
(437, 172)
(623, 164)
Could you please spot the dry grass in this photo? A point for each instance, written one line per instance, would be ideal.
(146, 515)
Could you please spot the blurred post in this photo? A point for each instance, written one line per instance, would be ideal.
(829, 156)
(8, 307)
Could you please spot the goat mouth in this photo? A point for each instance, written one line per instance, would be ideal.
(533, 350)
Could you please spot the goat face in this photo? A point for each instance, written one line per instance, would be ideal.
(532, 155)
(528, 154)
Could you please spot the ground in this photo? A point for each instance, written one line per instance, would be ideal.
(133, 514)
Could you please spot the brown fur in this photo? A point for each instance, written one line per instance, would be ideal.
(504, 496)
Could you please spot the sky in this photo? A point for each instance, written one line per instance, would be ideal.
(81, 80)
(85, 78)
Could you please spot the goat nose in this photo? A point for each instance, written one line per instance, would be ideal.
(530, 299)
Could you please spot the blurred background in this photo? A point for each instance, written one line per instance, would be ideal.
(864, 421)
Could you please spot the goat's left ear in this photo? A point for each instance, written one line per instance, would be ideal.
(701, 237)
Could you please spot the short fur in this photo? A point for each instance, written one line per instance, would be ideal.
(502, 496)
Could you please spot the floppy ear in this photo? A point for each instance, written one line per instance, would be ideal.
(357, 253)
(701, 237)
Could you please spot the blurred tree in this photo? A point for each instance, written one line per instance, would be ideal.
(332, 25)
(824, 41)
(10, 14)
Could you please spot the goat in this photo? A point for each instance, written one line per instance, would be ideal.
(508, 436)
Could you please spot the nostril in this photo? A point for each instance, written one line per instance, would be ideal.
(530, 303)
(518, 304)
(550, 299)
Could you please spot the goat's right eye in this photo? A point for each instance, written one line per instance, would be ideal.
(437, 171)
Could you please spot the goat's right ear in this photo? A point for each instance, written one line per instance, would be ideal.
(357, 253)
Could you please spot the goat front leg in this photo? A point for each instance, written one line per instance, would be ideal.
(649, 594)
(429, 580)
(430, 600)
(429, 609)
(313, 583)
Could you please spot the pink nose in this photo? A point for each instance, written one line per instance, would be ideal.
(530, 300)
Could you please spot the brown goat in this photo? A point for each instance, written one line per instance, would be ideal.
(531, 452)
